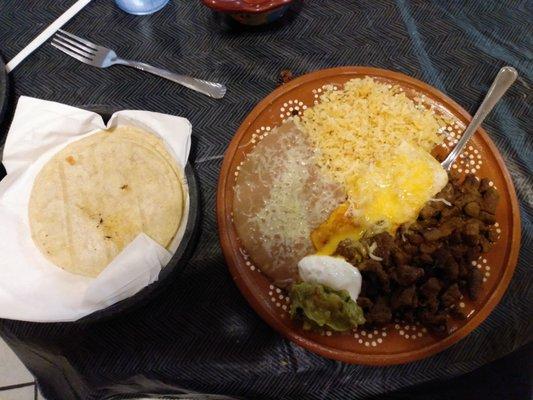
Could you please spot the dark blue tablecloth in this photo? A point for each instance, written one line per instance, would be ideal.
(200, 334)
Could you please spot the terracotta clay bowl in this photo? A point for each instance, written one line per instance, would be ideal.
(398, 342)
(251, 12)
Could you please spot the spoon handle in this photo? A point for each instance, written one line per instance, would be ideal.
(502, 82)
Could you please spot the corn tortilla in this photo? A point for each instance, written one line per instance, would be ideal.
(97, 194)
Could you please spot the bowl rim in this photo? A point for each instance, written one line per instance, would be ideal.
(224, 226)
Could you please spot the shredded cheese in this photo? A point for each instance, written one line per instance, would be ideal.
(286, 195)
(442, 200)
(371, 250)
(355, 126)
(284, 215)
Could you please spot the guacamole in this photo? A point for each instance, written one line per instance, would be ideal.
(319, 307)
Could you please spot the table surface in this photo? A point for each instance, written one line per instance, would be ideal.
(199, 334)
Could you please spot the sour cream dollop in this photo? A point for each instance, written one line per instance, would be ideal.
(333, 272)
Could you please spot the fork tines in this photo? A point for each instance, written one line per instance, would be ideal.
(81, 49)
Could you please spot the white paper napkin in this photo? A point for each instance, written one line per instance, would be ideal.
(31, 287)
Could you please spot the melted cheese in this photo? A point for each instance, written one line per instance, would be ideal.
(392, 192)
(395, 189)
(338, 227)
(333, 242)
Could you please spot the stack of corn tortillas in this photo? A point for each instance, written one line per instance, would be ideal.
(97, 194)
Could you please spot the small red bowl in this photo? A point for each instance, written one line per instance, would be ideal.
(251, 12)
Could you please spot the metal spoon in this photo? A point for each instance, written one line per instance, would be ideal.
(503, 81)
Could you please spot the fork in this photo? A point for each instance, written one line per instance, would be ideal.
(505, 78)
(102, 57)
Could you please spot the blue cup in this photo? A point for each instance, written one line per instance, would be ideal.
(141, 7)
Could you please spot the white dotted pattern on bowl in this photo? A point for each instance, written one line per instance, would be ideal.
(470, 161)
(292, 108)
(370, 338)
(483, 266)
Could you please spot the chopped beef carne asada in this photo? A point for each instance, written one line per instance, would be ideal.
(427, 266)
